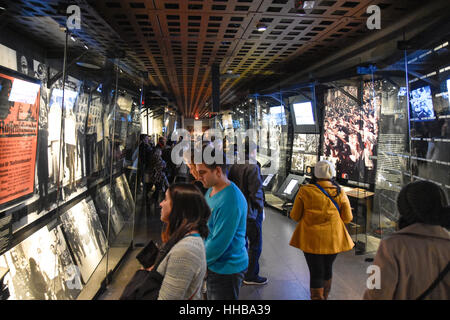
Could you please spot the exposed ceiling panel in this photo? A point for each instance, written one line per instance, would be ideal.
(177, 41)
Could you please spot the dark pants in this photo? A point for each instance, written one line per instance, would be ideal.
(320, 268)
(81, 149)
(254, 246)
(91, 141)
(223, 286)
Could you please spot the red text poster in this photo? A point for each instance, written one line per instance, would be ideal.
(19, 114)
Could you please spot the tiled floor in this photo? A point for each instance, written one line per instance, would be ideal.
(283, 265)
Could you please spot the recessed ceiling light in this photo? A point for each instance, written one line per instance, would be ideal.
(261, 27)
(88, 65)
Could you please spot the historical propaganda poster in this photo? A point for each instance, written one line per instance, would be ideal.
(85, 236)
(19, 114)
(41, 268)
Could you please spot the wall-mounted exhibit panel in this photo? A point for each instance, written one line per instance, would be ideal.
(66, 209)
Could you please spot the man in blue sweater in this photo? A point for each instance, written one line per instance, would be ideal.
(226, 254)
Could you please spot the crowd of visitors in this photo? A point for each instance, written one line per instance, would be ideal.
(213, 215)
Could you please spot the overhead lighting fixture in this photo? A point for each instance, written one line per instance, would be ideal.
(261, 27)
(88, 65)
(86, 47)
(306, 6)
(73, 38)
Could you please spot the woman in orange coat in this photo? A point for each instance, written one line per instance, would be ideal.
(321, 209)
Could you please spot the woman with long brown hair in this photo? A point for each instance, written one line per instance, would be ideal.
(185, 214)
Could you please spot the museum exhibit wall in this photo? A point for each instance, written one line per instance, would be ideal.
(382, 125)
(66, 208)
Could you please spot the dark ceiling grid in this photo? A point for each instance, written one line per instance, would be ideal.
(122, 17)
(338, 20)
(294, 30)
(45, 24)
(184, 38)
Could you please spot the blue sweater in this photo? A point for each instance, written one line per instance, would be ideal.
(225, 244)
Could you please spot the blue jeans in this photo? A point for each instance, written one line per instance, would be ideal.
(223, 286)
(254, 246)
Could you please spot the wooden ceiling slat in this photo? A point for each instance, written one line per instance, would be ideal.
(178, 41)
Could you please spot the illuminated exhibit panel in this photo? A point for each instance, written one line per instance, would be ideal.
(350, 131)
(421, 104)
(41, 268)
(288, 190)
(19, 115)
(303, 113)
(85, 236)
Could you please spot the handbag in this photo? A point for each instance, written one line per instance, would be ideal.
(145, 285)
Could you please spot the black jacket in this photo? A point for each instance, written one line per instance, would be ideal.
(248, 178)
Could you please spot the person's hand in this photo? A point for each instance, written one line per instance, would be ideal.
(147, 269)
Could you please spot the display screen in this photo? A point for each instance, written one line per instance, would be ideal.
(277, 115)
(303, 113)
(236, 124)
(267, 180)
(290, 187)
(19, 116)
(421, 103)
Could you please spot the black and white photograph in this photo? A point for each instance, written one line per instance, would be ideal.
(299, 143)
(350, 132)
(297, 162)
(41, 268)
(85, 236)
(421, 103)
(311, 143)
(103, 202)
(123, 197)
(309, 160)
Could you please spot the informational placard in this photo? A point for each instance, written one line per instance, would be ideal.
(19, 115)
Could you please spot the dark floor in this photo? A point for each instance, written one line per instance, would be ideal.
(283, 265)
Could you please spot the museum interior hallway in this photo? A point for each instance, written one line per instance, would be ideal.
(284, 266)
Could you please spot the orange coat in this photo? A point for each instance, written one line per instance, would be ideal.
(320, 229)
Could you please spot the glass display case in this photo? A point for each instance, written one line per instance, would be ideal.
(272, 125)
(67, 218)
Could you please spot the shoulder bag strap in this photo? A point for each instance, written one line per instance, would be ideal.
(435, 283)
(163, 252)
(326, 193)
